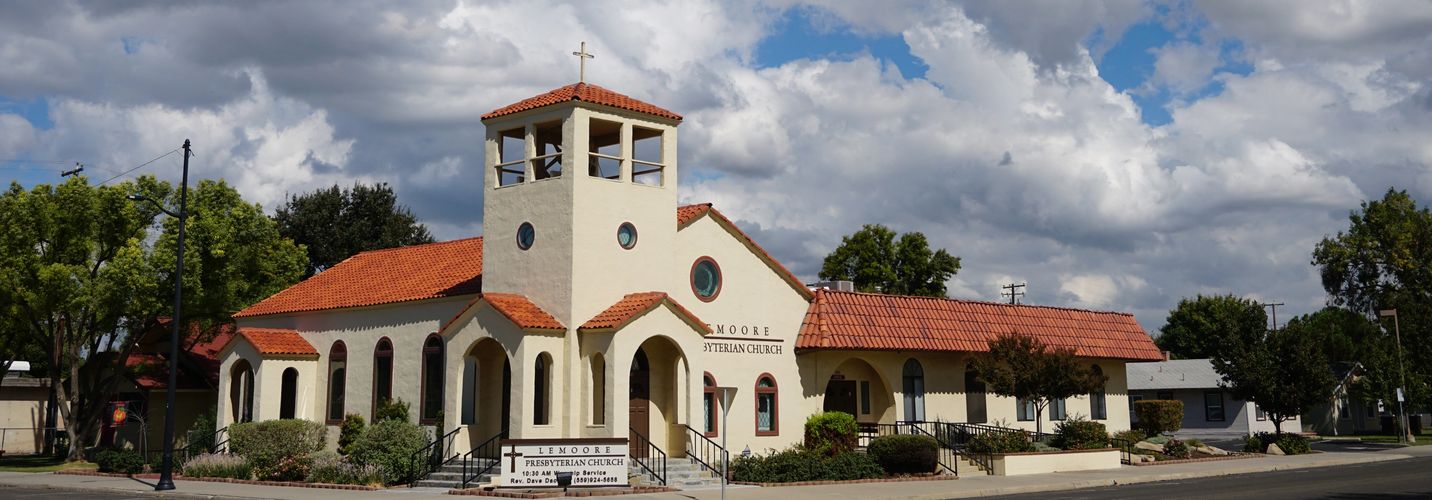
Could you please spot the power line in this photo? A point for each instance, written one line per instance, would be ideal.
(24, 160)
(141, 165)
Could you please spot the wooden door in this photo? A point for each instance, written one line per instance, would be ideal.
(640, 405)
(840, 396)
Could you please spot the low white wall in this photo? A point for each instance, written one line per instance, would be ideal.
(1018, 464)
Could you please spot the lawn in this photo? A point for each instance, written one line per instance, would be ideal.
(1422, 439)
(39, 463)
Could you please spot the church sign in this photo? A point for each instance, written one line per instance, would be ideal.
(534, 463)
(742, 339)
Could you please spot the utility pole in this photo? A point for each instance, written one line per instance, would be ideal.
(166, 469)
(79, 167)
(1274, 307)
(1014, 294)
(1402, 373)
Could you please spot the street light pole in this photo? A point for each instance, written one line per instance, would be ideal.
(1402, 375)
(166, 472)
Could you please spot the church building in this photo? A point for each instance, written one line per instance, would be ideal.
(592, 283)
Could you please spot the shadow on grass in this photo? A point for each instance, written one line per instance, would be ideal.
(39, 463)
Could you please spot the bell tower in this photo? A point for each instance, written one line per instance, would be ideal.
(579, 199)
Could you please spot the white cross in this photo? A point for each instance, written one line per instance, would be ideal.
(582, 56)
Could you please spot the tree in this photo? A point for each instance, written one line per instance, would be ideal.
(1348, 336)
(334, 224)
(1021, 366)
(877, 261)
(1195, 328)
(1384, 261)
(1285, 371)
(78, 277)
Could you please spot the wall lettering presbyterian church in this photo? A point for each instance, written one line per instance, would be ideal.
(578, 318)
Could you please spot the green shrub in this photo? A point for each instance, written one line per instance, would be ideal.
(218, 465)
(1080, 434)
(1293, 444)
(1194, 443)
(905, 453)
(201, 434)
(277, 448)
(349, 431)
(391, 409)
(390, 445)
(1176, 449)
(1000, 442)
(831, 433)
(1131, 435)
(332, 468)
(117, 460)
(1158, 416)
(852, 465)
(798, 464)
(1252, 444)
(1157, 439)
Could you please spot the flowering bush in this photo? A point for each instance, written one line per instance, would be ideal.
(1176, 449)
(331, 468)
(286, 469)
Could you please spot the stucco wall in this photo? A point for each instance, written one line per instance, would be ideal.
(1239, 416)
(22, 418)
(1018, 464)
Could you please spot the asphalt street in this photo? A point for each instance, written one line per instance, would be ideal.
(1396, 479)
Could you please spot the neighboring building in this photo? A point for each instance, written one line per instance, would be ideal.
(144, 389)
(563, 323)
(23, 401)
(1207, 409)
(1344, 413)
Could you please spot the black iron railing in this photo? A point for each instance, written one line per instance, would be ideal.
(1126, 450)
(218, 442)
(432, 456)
(947, 456)
(705, 451)
(482, 459)
(648, 456)
(959, 436)
(867, 432)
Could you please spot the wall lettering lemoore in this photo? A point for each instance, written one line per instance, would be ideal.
(742, 339)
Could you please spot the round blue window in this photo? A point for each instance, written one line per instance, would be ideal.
(525, 235)
(706, 279)
(626, 235)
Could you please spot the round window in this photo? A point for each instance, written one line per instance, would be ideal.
(626, 235)
(706, 279)
(526, 235)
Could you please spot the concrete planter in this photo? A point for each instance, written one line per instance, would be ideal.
(1018, 464)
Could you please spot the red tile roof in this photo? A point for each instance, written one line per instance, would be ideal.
(276, 342)
(417, 272)
(201, 357)
(633, 306)
(864, 321)
(522, 311)
(687, 214)
(584, 92)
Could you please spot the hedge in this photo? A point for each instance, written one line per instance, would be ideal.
(119, 460)
(831, 433)
(390, 445)
(905, 453)
(1079, 434)
(1157, 416)
(278, 449)
(797, 464)
(1000, 442)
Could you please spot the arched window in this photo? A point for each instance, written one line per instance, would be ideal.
(1098, 407)
(337, 381)
(599, 390)
(288, 394)
(974, 397)
(432, 390)
(382, 373)
(767, 413)
(541, 385)
(914, 377)
(241, 391)
(710, 402)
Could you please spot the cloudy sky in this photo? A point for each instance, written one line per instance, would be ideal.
(1114, 155)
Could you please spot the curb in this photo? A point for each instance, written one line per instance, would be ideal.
(91, 491)
(1153, 478)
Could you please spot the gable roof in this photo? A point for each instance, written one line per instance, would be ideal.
(200, 357)
(866, 321)
(635, 305)
(1173, 374)
(375, 277)
(275, 342)
(584, 92)
(522, 311)
(687, 214)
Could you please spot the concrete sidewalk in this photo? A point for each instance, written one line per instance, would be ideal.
(966, 486)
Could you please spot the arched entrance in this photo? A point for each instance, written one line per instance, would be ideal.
(856, 388)
(657, 377)
(241, 392)
(974, 397)
(486, 391)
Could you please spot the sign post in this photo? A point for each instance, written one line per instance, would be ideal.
(728, 394)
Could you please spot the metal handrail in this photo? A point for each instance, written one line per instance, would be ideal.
(215, 444)
(653, 467)
(490, 451)
(708, 448)
(950, 464)
(1126, 450)
(435, 454)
